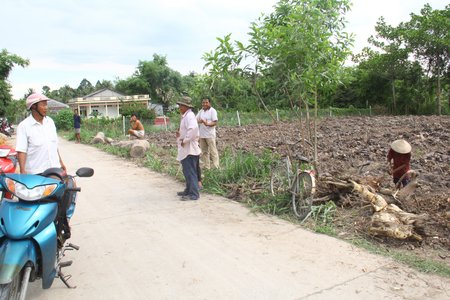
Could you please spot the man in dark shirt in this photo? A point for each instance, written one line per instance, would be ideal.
(77, 125)
(399, 157)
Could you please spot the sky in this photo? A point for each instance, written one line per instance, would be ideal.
(69, 40)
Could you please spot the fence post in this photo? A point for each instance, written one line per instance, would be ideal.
(123, 124)
(165, 122)
(239, 119)
(331, 113)
(370, 110)
(278, 118)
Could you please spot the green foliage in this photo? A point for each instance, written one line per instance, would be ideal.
(426, 37)
(119, 151)
(323, 214)
(16, 111)
(7, 63)
(165, 83)
(63, 119)
(127, 109)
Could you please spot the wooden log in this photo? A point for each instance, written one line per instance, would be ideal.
(139, 148)
(388, 219)
(124, 144)
(99, 138)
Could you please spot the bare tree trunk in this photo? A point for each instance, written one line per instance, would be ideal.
(315, 126)
(260, 98)
(394, 97)
(439, 107)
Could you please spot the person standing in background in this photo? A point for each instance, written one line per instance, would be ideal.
(188, 149)
(207, 120)
(77, 125)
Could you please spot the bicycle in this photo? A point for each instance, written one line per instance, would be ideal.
(298, 181)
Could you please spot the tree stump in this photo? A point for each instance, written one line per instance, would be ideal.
(99, 138)
(139, 148)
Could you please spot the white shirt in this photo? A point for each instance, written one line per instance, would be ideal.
(188, 135)
(210, 115)
(40, 143)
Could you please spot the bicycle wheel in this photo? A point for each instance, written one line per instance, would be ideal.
(280, 177)
(302, 194)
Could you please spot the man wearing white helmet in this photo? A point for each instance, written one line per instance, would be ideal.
(37, 141)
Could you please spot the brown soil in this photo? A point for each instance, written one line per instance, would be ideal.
(355, 148)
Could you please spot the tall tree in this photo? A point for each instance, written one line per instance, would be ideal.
(427, 37)
(85, 88)
(164, 83)
(7, 62)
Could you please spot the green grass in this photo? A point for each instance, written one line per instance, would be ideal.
(414, 261)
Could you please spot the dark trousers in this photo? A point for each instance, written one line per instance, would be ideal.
(190, 171)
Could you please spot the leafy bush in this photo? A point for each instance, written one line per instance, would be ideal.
(63, 119)
(141, 111)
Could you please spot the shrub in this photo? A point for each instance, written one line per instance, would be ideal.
(63, 119)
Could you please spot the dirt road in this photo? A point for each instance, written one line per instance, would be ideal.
(138, 241)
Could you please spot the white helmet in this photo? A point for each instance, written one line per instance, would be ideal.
(35, 98)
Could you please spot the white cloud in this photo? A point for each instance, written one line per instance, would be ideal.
(67, 41)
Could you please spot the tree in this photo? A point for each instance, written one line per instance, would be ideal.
(85, 88)
(301, 46)
(7, 62)
(427, 37)
(104, 84)
(164, 83)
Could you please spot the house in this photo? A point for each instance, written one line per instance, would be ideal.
(105, 102)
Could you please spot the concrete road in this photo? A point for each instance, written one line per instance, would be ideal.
(138, 241)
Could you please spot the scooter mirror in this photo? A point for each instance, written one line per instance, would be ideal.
(85, 172)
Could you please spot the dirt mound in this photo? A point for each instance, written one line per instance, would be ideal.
(356, 148)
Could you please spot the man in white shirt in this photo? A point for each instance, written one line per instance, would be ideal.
(37, 141)
(188, 149)
(207, 120)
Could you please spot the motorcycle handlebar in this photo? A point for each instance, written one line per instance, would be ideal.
(77, 189)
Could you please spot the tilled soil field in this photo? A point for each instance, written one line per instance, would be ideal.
(356, 148)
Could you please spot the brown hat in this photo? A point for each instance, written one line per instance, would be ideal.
(186, 101)
(401, 146)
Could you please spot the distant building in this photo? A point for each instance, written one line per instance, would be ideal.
(105, 102)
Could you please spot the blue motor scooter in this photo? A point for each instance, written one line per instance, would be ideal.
(34, 228)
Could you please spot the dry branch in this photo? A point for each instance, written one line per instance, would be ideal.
(389, 219)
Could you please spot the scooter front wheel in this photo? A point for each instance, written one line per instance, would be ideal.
(17, 288)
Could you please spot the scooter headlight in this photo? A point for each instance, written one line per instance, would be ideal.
(24, 193)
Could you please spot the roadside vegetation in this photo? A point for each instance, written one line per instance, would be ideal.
(245, 177)
(293, 67)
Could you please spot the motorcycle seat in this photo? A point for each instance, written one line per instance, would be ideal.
(55, 172)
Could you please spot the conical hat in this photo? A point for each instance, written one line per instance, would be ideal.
(401, 146)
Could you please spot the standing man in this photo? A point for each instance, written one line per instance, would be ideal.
(137, 129)
(207, 120)
(188, 149)
(77, 125)
(37, 141)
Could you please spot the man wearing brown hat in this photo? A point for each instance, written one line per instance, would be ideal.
(188, 149)
(399, 157)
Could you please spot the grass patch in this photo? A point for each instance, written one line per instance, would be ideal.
(411, 260)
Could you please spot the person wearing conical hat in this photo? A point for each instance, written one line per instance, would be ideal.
(399, 157)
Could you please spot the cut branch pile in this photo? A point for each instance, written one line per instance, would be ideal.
(388, 219)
